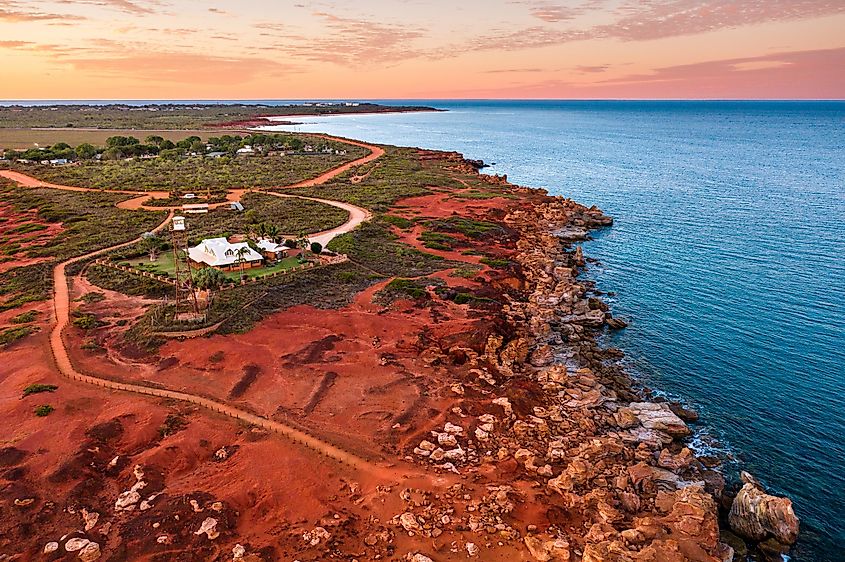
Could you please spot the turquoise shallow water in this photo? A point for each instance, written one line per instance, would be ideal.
(727, 257)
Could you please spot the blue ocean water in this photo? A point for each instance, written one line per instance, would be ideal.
(727, 257)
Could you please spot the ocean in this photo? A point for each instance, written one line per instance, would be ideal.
(727, 257)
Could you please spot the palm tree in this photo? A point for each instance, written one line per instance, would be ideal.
(240, 259)
(273, 233)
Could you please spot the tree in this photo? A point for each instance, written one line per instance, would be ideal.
(167, 144)
(240, 259)
(209, 279)
(86, 151)
(151, 245)
(273, 233)
(316, 248)
(154, 139)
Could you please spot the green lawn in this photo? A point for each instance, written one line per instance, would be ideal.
(164, 266)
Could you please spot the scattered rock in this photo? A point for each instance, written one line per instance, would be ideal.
(548, 550)
(209, 528)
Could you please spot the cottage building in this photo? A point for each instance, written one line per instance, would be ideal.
(273, 251)
(221, 254)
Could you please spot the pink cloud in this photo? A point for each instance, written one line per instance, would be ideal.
(186, 68)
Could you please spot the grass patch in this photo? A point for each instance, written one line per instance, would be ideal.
(326, 288)
(468, 227)
(398, 222)
(400, 173)
(467, 272)
(86, 321)
(91, 222)
(127, 283)
(11, 335)
(375, 247)
(25, 317)
(196, 173)
(44, 410)
(497, 263)
(28, 227)
(438, 241)
(92, 297)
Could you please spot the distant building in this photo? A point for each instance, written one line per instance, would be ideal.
(221, 254)
(189, 196)
(195, 208)
(216, 154)
(236, 206)
(246, 150)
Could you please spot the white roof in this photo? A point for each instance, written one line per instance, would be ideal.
(218, 252)
(270, 246)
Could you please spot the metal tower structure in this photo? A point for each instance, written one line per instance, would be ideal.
(185, 292)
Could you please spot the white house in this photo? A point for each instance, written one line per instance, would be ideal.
(221, 254)
(246, 150)
(274, 251)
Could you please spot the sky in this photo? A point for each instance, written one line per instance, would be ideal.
(421, 49)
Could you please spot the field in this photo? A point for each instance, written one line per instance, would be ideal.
(21, 139)
(399, 174)
(169, 116)
(89, 220)
(193, 173)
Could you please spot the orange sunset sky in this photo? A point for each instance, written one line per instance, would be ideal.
(262, 49)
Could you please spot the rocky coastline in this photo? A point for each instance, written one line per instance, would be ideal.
(629, 468)
(608, 463)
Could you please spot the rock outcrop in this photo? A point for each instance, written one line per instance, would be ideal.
(758, 516)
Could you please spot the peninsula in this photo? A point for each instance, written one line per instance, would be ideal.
(252, 346)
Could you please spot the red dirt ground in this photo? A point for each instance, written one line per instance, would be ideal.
(357, 377)
(9, 221)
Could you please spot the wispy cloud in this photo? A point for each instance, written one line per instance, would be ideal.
(347, 41)
(181, 67)
(659, 19)
(128, 6)
(12, 14)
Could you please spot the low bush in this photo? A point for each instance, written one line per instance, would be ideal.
(39, 388)
(11, 335)
(44, 410)
(25, 317)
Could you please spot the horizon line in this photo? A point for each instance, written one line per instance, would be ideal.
(11, 101)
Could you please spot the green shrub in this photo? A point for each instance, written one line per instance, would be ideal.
(39, 388)
(44, 410)
(89, 298)
(25, 318)
(398, 222)
(10, 335)
(86, 321)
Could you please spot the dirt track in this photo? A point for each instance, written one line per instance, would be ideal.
(61, 303)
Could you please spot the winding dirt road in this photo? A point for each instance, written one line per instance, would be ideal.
(61, 303)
